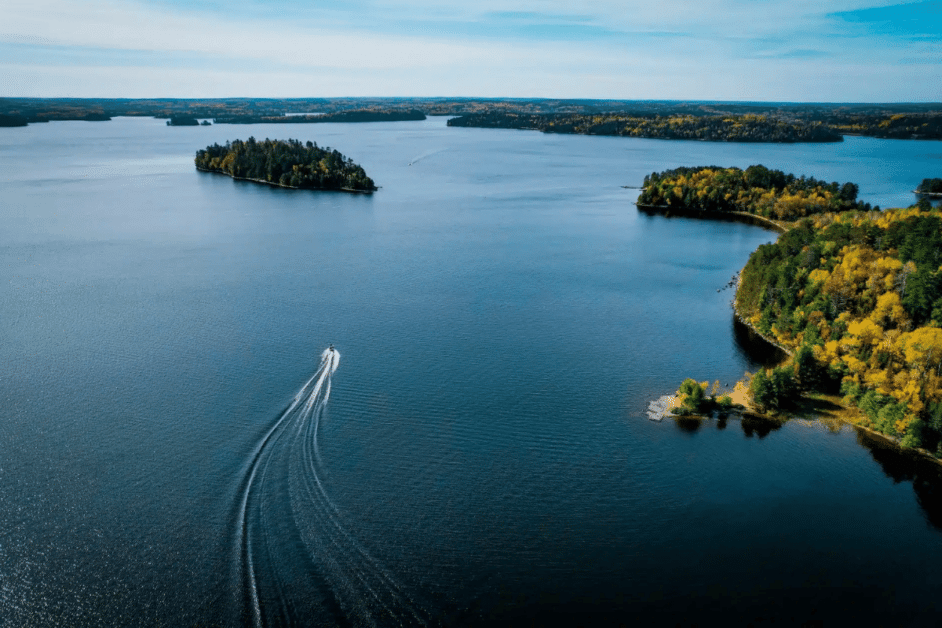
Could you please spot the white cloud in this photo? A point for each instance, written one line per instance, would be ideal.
(717, 17)
(106, 25)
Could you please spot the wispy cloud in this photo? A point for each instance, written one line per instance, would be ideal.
(797, 53)
(730, 49)
(100, 25)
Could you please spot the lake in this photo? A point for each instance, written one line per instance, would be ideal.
(503, 316)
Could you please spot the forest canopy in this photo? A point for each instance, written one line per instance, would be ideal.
(756, 190)
(857, 297)
(287, 163)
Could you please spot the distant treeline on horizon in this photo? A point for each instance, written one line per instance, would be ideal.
(713, 128)
(892, 121)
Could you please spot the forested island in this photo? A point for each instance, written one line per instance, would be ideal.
(182, 121)
(718, 128)
(286, 163)
(757, 190)
(855, 299)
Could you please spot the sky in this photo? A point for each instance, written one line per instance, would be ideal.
(744, 50)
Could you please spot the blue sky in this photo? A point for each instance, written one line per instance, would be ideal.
(795, 50)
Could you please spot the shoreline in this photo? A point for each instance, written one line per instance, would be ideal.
(288, 187)
(743, 321)
(744, 217)
(744, 408)
(748, 412)
(891, 440)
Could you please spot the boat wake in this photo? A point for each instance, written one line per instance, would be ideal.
(297, 561)
(416, 160)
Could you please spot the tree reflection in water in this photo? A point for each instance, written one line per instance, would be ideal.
(897, 464)
(758, 426)
(901, 466)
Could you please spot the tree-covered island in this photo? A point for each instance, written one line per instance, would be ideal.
(286, 163)
(182, 121)
(855, 298)
(711, 128)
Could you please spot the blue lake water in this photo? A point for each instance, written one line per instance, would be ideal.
(504, 315)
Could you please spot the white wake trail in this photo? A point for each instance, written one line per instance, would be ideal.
(357, 575)
(365, 591)
(313, 404)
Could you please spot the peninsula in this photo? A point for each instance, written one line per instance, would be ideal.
(285, 163)
(853, 295)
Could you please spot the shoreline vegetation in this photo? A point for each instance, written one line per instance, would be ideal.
(850, 294)
(285, 163)
(882, 120)
(714, 128)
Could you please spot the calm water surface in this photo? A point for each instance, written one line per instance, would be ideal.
(504, 314)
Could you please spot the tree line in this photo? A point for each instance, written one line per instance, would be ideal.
(288, 163)
(895, 126)
(892, 121)
(712, 128)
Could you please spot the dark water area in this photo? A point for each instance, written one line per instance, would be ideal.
(504, 315)
(758, 348)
